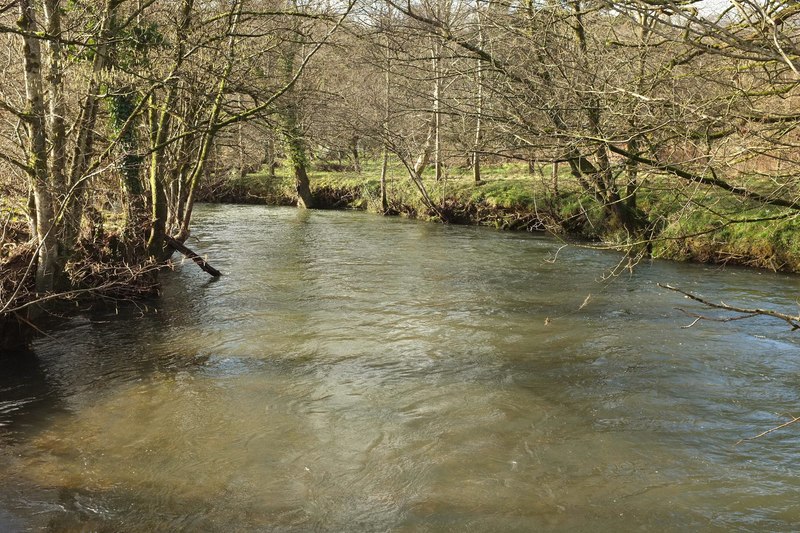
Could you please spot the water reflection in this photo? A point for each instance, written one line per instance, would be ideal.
(352, 374)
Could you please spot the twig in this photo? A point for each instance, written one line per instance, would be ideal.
(767, 432)
(555, 255)
(32, 326)
(699, 317)
(695, 321)
(5, 227)
(66, 295)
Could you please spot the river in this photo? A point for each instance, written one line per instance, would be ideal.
(357, 373)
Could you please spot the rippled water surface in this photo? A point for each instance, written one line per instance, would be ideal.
(354, 373)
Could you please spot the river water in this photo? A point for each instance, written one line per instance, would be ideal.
(355, 373)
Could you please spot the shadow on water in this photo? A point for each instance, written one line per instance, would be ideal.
(28, 401)
(44, 392)
(103, 346)
(28, 397)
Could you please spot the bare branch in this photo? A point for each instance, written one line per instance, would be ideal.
(792, 320)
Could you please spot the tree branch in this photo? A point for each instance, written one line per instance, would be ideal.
(792, 320)
(706, 180)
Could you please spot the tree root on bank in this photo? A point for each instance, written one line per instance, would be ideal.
(98, 269)
(504, 218)
(336, 198)
(102, 265)
(17, 284)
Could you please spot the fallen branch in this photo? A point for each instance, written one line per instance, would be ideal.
(793, 321)
(175, 244)
(767, 432)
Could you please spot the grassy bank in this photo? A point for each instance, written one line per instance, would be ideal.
(709, 226)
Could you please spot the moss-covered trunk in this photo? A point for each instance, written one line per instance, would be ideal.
(293, 134)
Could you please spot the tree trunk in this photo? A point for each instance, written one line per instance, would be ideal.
(633, 175)
(292, 134)
(47, 266)
(354, 152)
(437, 114)
(384, 169)
(83, 149)
(296, 155)
(57, 107)
(159, 117)
(122, 104)
(159, 123)
(425, 156)
(212, 128)
(387, 114)
(302, 186)
(269, 156)
(554, 177)
(476, 158)
(602, 178)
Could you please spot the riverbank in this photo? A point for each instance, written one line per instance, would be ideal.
(715, 230)
(100, 269)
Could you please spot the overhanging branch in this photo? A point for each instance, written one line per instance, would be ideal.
(706, 180)
(792, 320)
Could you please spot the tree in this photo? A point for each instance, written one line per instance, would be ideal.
(138, 110)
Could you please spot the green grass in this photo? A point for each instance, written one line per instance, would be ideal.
(757, 236)
(507, 185)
